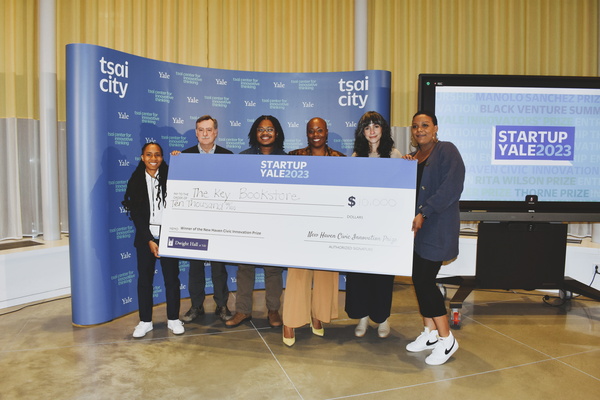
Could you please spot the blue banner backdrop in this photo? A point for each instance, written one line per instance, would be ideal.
(117, 102)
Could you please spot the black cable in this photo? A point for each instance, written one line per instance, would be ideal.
(594, 276)
(546, 300)
(564, 300)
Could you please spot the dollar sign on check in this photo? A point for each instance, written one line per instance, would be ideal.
(351, 201)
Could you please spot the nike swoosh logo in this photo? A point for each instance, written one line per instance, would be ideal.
(430, 343)
(451, 347)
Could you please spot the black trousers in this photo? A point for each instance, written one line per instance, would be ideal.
(369, 295)
(197, 283)
(430, 299)
(146, 264)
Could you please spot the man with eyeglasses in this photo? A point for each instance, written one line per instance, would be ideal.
(206, 132)
(265, 137)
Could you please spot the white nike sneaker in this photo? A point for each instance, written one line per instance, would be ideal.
(443, 350)
(425, 341)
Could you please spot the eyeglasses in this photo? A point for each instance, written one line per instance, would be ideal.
(261, 130)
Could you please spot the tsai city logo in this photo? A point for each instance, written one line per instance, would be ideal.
(353, 90)
(114, 73)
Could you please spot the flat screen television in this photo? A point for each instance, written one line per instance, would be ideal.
(531, 144)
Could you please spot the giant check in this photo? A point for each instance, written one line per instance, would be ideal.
(336, 213)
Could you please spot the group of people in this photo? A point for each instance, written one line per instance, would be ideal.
(311, 295)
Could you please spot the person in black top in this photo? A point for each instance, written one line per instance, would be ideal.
(145, 200)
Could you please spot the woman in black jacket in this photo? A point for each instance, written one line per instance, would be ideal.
(145, 200)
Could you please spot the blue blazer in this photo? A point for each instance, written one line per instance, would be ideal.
(437, 198)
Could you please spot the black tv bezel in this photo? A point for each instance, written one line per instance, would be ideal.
(549, 211)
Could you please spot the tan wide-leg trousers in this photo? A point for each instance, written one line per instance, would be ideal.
(310, 293)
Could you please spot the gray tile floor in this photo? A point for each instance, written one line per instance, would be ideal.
(511, 346)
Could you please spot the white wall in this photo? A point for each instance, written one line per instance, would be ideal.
(34, 275)
(579, 263)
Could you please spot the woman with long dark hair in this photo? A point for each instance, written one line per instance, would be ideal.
(370, 295)
(145, 200)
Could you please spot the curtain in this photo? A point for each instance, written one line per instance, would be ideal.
(407, 37)
(507, 37)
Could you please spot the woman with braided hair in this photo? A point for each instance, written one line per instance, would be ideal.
(145, 200)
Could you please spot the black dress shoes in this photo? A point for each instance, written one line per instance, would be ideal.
(193, 313)
(223, 313)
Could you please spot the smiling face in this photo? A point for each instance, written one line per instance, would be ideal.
(265, 133)
(152, 157)
(316, 133)
(424, 131)
(206, 133)
(372, 133)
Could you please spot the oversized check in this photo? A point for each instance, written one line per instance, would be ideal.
(336, 213)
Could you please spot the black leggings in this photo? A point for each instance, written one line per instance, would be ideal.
(431, 301)
(145, 285)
